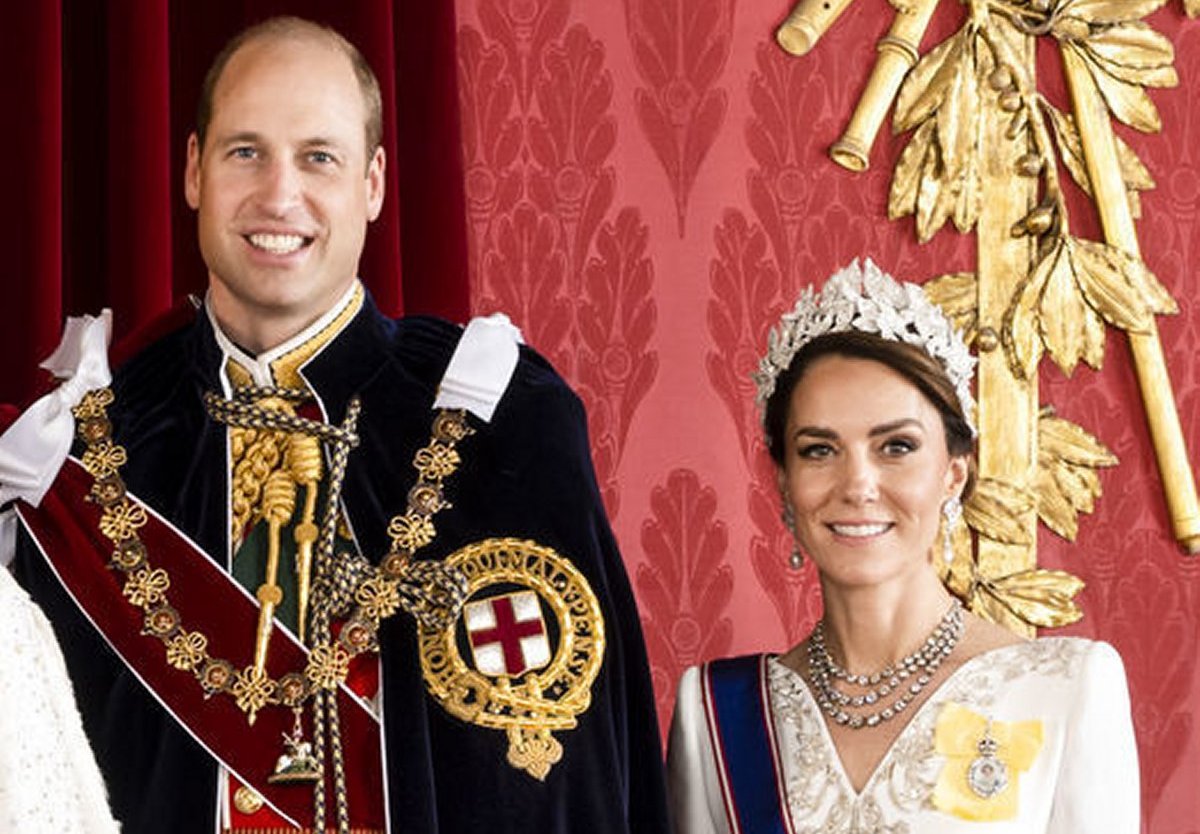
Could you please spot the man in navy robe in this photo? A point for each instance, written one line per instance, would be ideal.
(304, 456)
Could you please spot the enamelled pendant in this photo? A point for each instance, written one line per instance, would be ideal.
(987, 775)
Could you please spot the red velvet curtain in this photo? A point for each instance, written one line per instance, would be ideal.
(100, 99)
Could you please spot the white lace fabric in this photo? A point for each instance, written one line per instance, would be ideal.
(49, 781)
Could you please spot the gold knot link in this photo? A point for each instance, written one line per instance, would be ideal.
(252, 690)
(103, 459)
(93, 404)
(147, 587)
(436, 461)
(121, 521)
(186, 650)
(379, 598)
(327, 666)
(411, 531)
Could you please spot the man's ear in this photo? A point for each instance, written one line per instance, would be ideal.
(191, 172)
(375, 183)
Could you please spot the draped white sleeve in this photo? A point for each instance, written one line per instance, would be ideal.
(48, 778)
(692, 779)
(1098, 786)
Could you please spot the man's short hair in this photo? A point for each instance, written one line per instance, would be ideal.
(283, 28)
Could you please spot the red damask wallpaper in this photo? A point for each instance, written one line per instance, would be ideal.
(648, 189)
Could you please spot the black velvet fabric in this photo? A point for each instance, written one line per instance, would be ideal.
(526, 474)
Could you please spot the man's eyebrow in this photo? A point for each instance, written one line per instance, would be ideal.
(241, 137)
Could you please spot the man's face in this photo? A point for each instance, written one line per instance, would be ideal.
(282, 185)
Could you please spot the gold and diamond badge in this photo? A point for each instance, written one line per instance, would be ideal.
(523, 654)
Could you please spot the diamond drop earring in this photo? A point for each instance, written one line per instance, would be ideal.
(952, 512)
(796, 559)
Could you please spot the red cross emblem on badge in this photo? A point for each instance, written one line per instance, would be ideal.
(507, 634)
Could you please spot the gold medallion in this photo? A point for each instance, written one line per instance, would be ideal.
(522, 655)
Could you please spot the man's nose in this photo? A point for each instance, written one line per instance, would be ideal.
(280, 188)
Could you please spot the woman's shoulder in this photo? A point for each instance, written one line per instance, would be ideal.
(1070, 659)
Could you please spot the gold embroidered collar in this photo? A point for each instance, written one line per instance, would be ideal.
(280, 367)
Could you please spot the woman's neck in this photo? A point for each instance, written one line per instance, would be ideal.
(868, 629)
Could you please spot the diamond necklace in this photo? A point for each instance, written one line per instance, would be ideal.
(920, 666)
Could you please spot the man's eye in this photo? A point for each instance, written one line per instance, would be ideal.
(321, 157)
(243, 152)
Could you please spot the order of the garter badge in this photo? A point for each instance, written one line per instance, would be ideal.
(522, 655)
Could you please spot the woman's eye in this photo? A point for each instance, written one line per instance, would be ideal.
(815, 451)
(897, 446)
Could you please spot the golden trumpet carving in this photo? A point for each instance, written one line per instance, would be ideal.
(807, 22)
(1108, 186)
(897, 55)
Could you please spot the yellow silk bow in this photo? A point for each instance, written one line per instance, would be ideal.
(957, 738)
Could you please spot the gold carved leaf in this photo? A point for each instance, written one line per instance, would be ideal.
(1128, 102)
(1063, 321)
(1109, 11)
(1134, 53)
(1070, 148)
(1020, 332)
(1066, 136)
(956, 293)
(935, 197)
(1137, 176)
(1192, 7)
(1067, 483)
(926, 83)
(1054, 508)
(902, 200)
(996, 510)
(958, 113)
(1043, 598)
(1116, 285)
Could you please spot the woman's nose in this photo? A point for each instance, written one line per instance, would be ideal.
(860, 483)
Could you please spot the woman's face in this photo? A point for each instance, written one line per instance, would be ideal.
(866, 471)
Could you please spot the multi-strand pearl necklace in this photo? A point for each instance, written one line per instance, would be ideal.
(893, 678)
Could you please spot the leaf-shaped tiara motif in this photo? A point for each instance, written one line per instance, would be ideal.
(863, 297)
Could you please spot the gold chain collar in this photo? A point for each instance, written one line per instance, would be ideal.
(426, 589)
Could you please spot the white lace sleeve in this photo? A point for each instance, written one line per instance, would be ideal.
(696, 804)
(48, 777)
(1098, 789)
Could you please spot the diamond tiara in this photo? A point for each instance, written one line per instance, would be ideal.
(863, 297)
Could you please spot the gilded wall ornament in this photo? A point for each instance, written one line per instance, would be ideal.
(987, 153)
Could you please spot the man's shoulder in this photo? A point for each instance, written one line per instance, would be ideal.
(431, 341)
(156, 354)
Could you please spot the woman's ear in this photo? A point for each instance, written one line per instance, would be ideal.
(956, 476)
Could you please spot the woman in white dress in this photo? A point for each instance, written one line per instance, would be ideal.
(901, 711)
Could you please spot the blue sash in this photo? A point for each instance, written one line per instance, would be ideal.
(743, 742)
